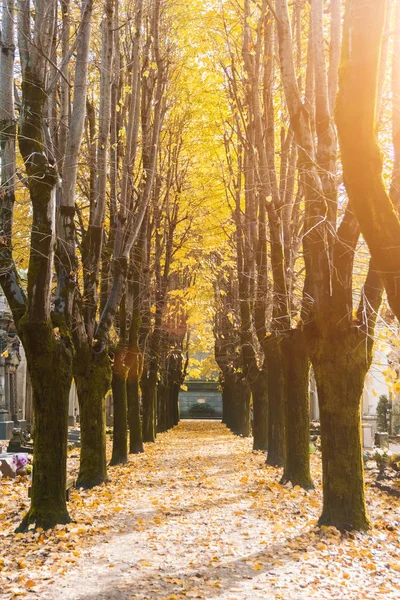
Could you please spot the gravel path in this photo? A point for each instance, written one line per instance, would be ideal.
(201, 516)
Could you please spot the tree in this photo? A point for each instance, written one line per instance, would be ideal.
(45, 333)
(340, 343)
(361, 157)
(271, 211)
(383, 414)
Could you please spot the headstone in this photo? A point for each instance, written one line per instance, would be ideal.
(6, 429)
(7, 468)
(367, 435)
(20, 442)
(74, 436)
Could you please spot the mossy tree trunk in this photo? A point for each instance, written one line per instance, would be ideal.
(297, 369)
(232, 400)
(47, 342)
(340, 364)
(49, 363)
(276, 401)
(134, 421)
(170, 412)
(242, 407)
(174, 402)
(259, 392)
(92, 374)
(148, 386)
(136, 365)
(162, 405)
(224, 418)
(176, 371)
(228, 394)
(120, 403)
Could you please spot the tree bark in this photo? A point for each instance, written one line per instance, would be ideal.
(148, 385)
(276, 401)
(163, 403)
(47, 344)
(340, 364)
(259, 392)
(120, 403)
(297, 367)
(136, 366)
(92, 374)
(47, 357)
(242, 406)
(134, 421)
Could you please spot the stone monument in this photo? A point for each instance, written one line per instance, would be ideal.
(10, 409)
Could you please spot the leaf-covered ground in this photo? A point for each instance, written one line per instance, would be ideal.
(199, 515)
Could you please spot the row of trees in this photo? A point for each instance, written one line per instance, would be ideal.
(88, 95)
(102, 127)
(300, 294)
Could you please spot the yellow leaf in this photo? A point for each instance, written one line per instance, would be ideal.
(144, 563)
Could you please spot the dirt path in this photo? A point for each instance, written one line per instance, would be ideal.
(199, 515)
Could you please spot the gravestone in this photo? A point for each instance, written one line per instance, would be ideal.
(74, 436)
(6, 469)
(20, 442)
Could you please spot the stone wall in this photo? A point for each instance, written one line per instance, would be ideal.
(200, 394)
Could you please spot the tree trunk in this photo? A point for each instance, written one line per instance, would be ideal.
(135, 424)
(93, 378)
(224, 397)
(149, 387)
(51, 375)
(120, 403)
(174, 402)
(276, 401)
(229, 399)
(169, 412)
(242, 407)
(162, 403)
(259, 392)
(341, 361)
(297, 369)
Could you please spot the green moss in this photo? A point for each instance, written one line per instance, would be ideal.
(259, 390)
(276, 401)
(49, 361)
(148, 387)
(297, 372)
(340, 363)
(92, 375)
(120, 431)
(135, 424)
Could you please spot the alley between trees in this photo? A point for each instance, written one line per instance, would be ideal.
(200, 515)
